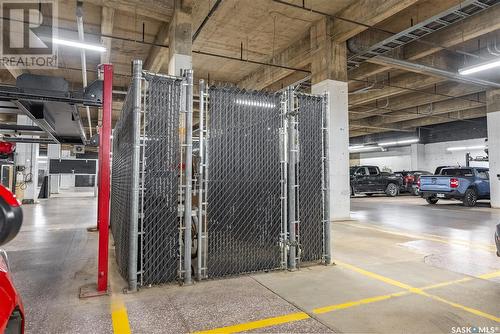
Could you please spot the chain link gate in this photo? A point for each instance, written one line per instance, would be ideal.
(311, 120)
(244, 205)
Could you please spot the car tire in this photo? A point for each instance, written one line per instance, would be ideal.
(470, 197)
(392, 190)
(432, 200)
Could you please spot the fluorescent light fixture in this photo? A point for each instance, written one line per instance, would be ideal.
(356, 149)
(400, 142)
(480, 67)
(465, 148)
(255, 103)
(79, 45)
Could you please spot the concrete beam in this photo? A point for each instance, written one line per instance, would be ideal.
(328, 59)
(430, 120)
(438, 108)
(107, 21)
(158, 10)
(409, 100)
(298, 53)
(180, 37)
(295, 55)
(158, 55)
(398, 85)
(370, 12)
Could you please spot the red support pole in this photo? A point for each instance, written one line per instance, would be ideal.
(104, 179)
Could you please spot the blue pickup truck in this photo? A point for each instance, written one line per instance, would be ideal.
(467, 184)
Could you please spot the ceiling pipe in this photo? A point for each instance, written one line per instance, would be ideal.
(205, 20)
(81, 37)
(416, 67)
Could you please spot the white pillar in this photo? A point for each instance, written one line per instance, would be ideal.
(494, 156)
(180, 38)
(338, 147)
(54, 152)
(417, 156)
(179, 62)
(27, 157)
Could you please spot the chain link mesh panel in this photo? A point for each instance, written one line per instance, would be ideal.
(159, 247)
(311, 209)
(121, 183)
(244, 205)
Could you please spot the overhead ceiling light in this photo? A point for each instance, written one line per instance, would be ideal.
(400, 142)
(479, 67)
(465, 148)
(79, 45)
(361, 148)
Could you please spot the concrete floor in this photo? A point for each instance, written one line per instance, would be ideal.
(389, 262)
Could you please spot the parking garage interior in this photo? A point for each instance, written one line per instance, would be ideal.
(266, 166)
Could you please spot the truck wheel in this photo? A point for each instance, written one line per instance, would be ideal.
(470, 197)
(432, 200)
(392, 190)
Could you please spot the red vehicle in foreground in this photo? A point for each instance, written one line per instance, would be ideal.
(11, 306)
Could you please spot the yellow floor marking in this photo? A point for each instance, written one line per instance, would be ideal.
(419, 291)
(490, 275)
(425, 236)
(119, 316)
(364, 301)
(258, 324)
(331, 308)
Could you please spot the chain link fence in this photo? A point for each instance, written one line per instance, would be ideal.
(121, 183)
(244, 205)
(311, 176)
(159, 217)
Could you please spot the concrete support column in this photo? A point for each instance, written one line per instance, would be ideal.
(27, 157)
(493, 119)
(329, 75)
(417, 156)
(54, 152)
(180, 38)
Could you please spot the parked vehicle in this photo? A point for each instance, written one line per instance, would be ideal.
(11, 306)
(497, 239)
(467, 184)
(410, 180)
(370, 180)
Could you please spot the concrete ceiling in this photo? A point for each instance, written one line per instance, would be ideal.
(265, 30)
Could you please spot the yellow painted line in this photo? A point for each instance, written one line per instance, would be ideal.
(430, 237)
(490, 275)
(440, 285)
(258, 324)
(374, 275)
(360, 302)
(420, 291)
(335, 307)
(119, 316)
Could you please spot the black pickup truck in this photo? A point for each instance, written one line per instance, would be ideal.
(369, 180)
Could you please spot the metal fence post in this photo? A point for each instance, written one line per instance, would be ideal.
(189, 176)
(200, 178)
(292, 150)
(136, 152)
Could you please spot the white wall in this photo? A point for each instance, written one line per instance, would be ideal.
(394, 159)
(436, 154)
